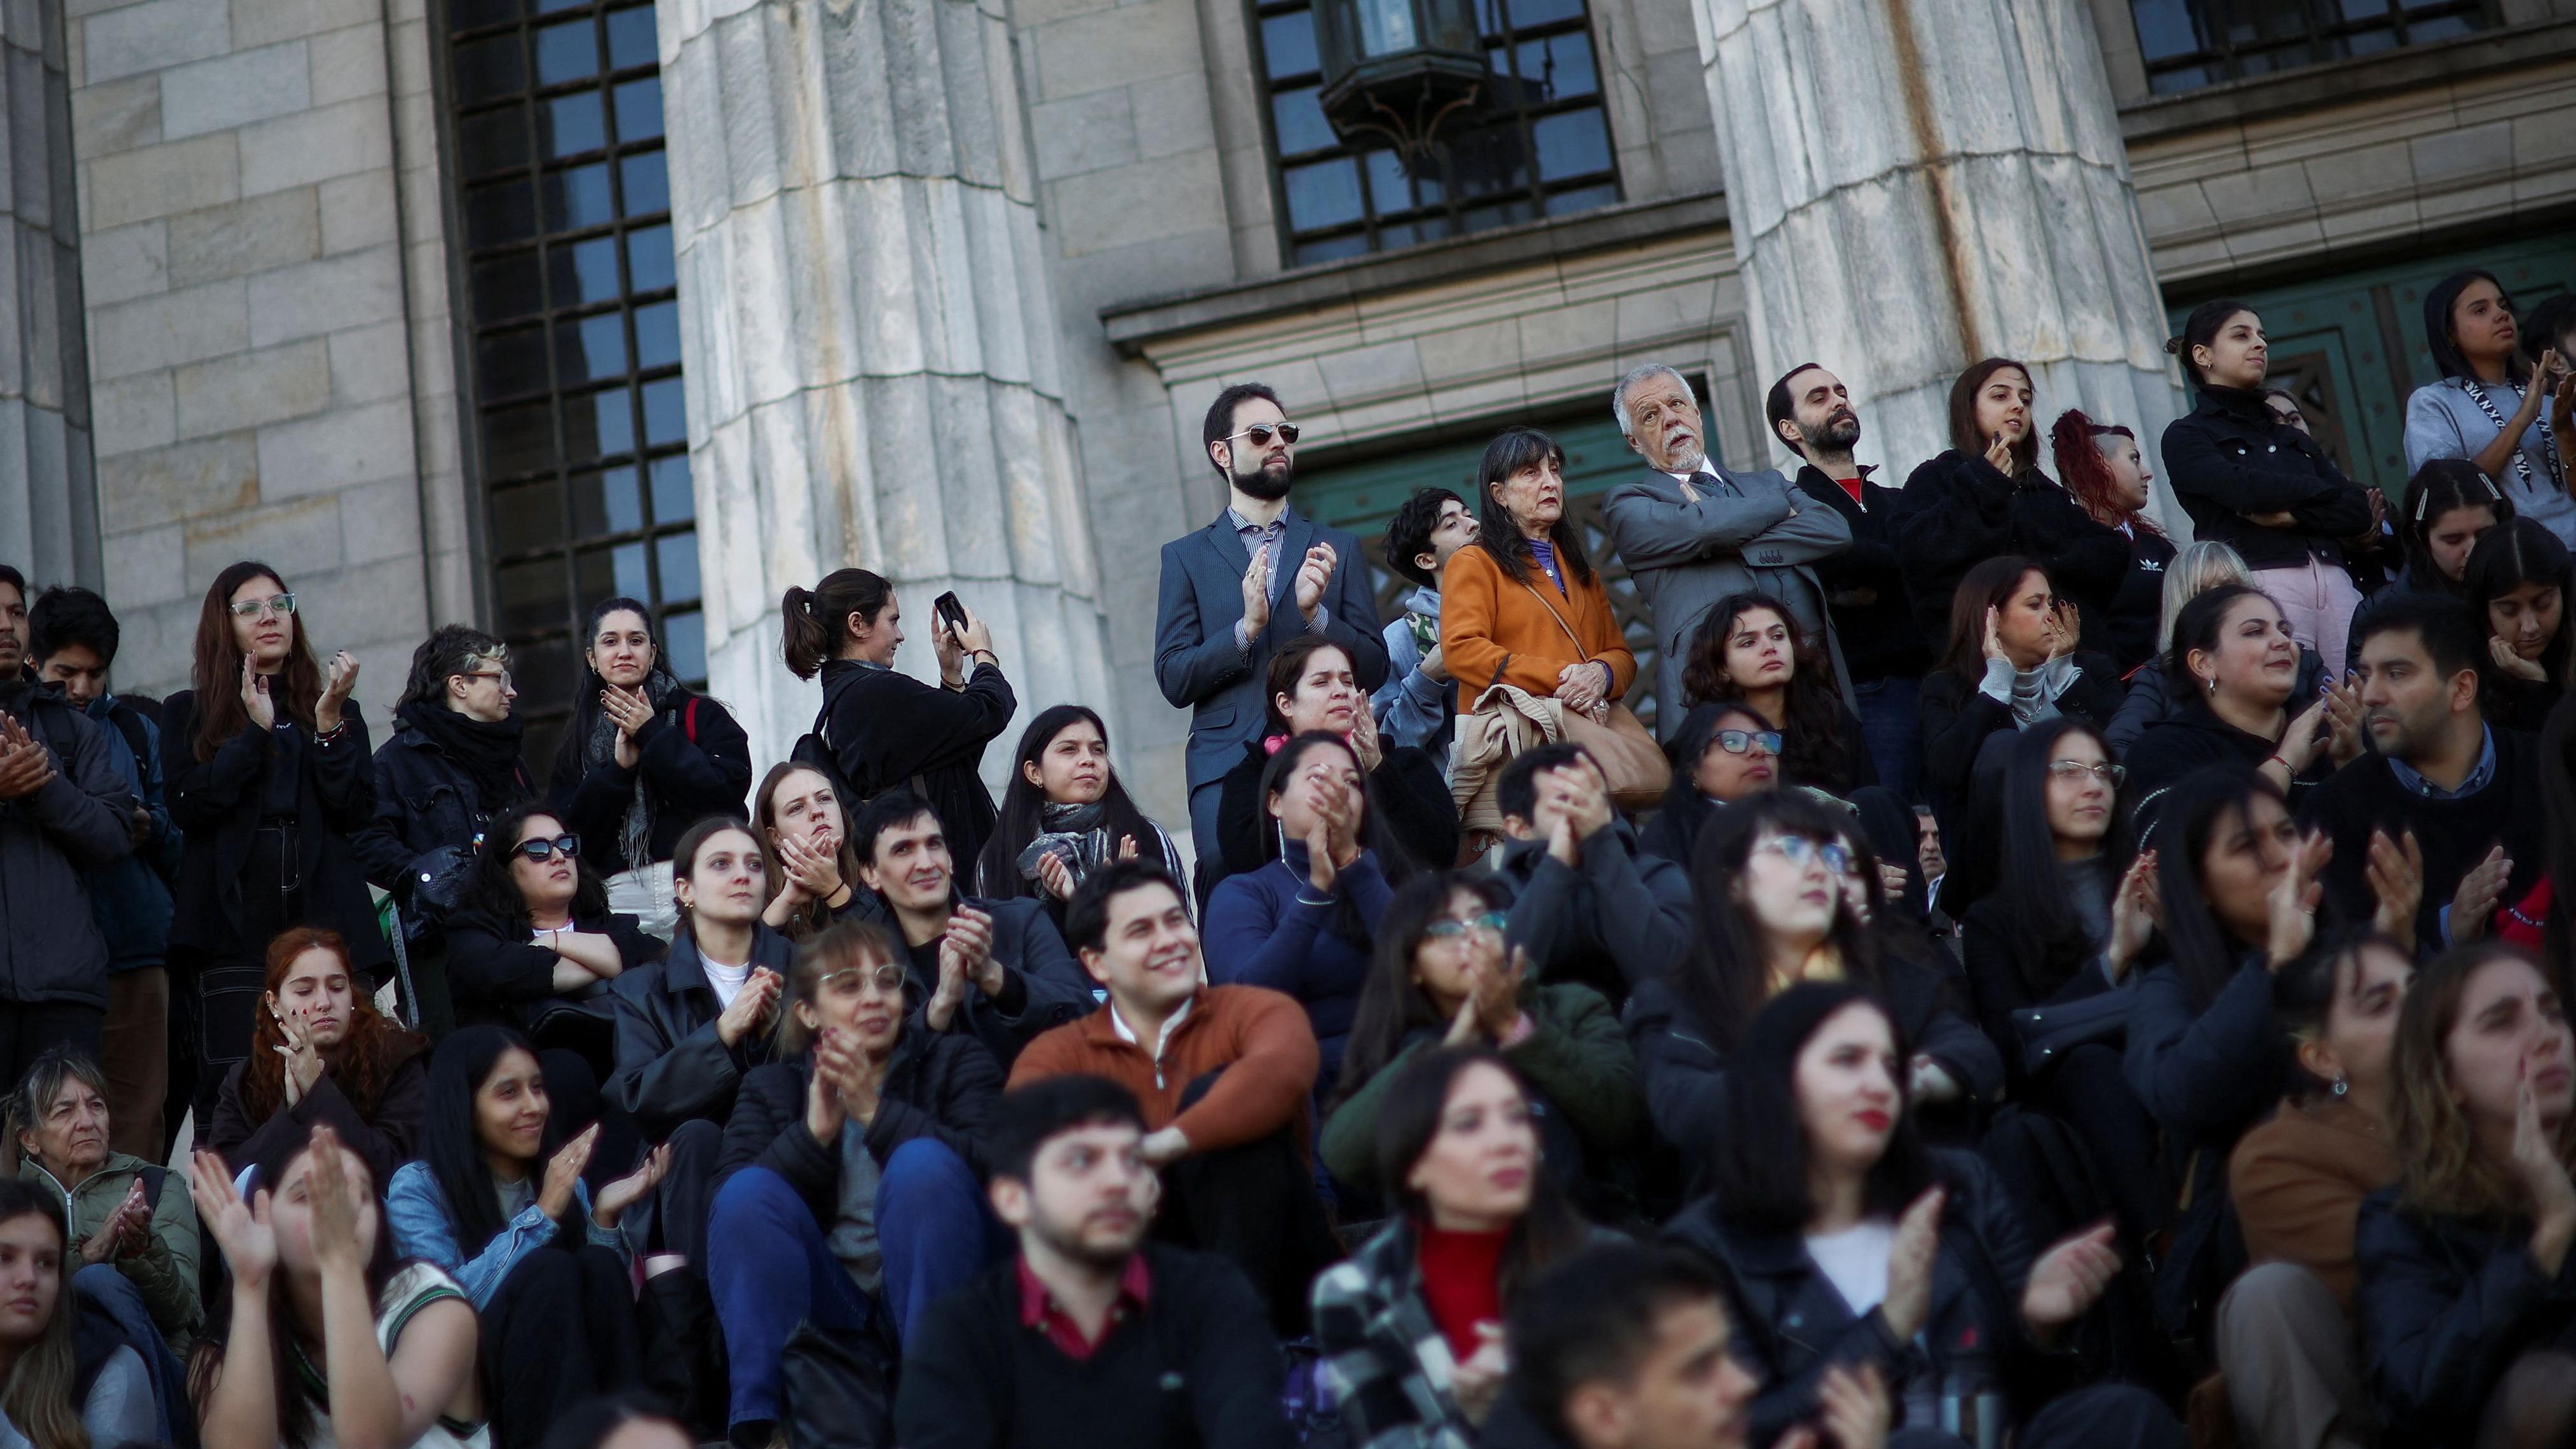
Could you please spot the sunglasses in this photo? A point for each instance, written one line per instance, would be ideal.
(542, 851)
(253, 608)
(1491, 923)
(1740, 742)
(1798, 850)
(2108, 774)
(1260, 433)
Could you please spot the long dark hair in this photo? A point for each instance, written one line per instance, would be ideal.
(215, 670)
(1408, 1119)
(2188, 817)
(494, 891)
(1987, 585)
(1287, 666)
(1512, 450)
(1726, 979)
(2510, 556)
(1968, 439)
(2196, 631)
(457, 1070)
(1812, 748)
(2443, 342)
(659, 684)
(1392, 1005)
(1759, 1166)
(1022, 817)
(815, 622)
(2029, 891)
(1373, 836)
(2438, 487)
(1682, 799)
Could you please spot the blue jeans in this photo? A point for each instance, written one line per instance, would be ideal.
(770, 1268)
(1890, 720)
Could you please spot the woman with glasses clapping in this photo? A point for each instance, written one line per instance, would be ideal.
(533, 944)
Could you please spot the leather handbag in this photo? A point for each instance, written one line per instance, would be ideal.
(2050, 1031)
(1632, 765)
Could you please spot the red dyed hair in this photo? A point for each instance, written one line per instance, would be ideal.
(2077, 442)
(366, 1057)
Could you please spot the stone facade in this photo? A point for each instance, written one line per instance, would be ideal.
(48, 506)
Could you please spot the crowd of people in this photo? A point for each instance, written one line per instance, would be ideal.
(2036, 983)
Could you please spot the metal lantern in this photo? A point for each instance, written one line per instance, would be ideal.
(1399, 69)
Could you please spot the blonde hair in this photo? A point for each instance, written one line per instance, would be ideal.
(2196, 569)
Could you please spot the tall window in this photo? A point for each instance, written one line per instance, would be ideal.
(2193, 43)
(1543, 151)
(575, 375)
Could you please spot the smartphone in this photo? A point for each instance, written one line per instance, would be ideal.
(952, 614)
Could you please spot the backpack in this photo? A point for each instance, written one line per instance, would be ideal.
(814, 752)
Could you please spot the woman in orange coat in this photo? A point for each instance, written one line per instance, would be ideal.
(1522, 605)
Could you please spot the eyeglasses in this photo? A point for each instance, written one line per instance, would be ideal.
(1491, 923)
(502, 675)
(1798, 850)
(1742, 742)
(2111, 775)
(253, 608)
(886, 979)
(1260, 433)
(542, 851)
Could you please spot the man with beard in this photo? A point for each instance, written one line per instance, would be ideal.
(1091, 1335)
(1810, 412)
(2465, 790)
(1691, 532)
(1255, 578)
(1226, 1076)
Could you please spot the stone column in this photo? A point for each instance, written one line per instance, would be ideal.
(48, 507)
(1915, 184)
(868, 328)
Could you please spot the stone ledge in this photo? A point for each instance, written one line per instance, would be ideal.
(1132, 326)
(2341, 81)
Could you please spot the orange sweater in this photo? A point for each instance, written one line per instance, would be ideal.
(1259, 1036)
(1489, 623)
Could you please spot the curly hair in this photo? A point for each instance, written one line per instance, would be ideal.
(1812, 750)
(2076, 440)
(366, 1057)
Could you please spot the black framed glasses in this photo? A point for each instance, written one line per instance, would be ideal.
(542, 851)
(1742, 742)
(273, 604)
(1260, 433)
(1449, 928)
(2109, 774)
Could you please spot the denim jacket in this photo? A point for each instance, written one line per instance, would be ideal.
(424, 1230)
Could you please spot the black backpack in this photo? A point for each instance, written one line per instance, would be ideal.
(814, 752)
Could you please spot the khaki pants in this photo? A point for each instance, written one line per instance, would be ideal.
(134, 1050)
(2293, 1363)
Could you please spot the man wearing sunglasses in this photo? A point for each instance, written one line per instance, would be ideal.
(1252, 580)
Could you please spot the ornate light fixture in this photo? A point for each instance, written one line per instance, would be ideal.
(1400, 69)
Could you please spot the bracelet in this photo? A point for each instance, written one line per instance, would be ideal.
(1301, 900)
(2274, 758)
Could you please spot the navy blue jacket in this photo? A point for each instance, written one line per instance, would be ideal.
(131, 896)
(2446, 1304)
(2206, 1075)
(1260, 932)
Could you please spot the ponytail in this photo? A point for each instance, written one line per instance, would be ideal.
(816, 620)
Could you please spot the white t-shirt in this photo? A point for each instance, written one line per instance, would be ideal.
(1855, 1261)
(726, 979)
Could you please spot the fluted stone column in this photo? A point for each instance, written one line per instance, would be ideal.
(48, 503)
(868, 336)
(1915, 184)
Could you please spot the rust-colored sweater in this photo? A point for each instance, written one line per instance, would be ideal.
(2298, 1181)
(1259, 1036)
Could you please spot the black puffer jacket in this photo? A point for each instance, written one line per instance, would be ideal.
(2228, 460)
(671, 1065)
(692, 761)
(1958, 511)
(940, 1086)
(424, 800)
(2446, 1305)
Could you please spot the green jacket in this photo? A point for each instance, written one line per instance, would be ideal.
(1577, 1057)
(165, 1272)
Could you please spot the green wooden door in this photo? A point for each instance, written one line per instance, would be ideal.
(2350, 345)
(1363, 494)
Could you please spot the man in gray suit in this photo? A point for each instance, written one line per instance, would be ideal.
(1251, 581)
(1691, 532)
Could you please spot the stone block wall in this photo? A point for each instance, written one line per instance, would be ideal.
(256, 345)
(48, 517)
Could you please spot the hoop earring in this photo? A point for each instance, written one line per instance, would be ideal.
(2341, 1087)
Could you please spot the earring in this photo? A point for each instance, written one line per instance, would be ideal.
(2341, 1086)
(2213, 685)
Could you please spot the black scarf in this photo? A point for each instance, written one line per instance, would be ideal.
(488, 752)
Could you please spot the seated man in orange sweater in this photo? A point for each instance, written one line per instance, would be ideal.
(1225, 1074)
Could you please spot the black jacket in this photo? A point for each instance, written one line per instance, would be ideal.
(1957, 717)
(2004, 960)
(1685, 1068)
(2196, 738)
(51, 948)
(1043, 986)
(1864, 584)
(1789, 1323)
(939, 1086)
(692, 761)
(216, 803)
(498, 973)
(1421, 814)
(671, 1065)
(888, 730)
(424, 800)
(2206, 1073)
(1958, 511)
(2446, 1304)
(1617, 919)
(386, 1138)
(2227, 459)
(2138, 607)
